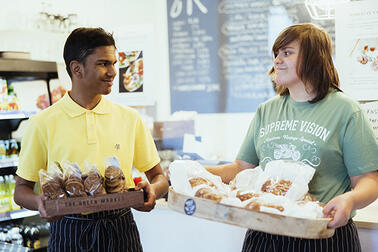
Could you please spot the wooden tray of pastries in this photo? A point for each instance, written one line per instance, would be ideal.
(249, 218)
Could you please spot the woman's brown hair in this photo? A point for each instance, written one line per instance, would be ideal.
(315, 66)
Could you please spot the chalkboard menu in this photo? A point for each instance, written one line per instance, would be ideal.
(244, 54)
(220, 51)
(194, 65)
(218, 55)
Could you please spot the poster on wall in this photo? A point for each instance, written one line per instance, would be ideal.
(371, 109)
(133, 83)
(356, 49)
(130, 71)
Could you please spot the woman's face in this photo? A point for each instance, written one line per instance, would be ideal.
(285, 65)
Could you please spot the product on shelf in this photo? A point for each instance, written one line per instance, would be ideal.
(26, 235)
(8, 98)
(9, 151)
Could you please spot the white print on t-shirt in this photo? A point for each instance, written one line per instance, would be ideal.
(295, 125)
(298, 142)
(294, 148)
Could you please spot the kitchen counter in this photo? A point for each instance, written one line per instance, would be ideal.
(174, 231)
(367, 217)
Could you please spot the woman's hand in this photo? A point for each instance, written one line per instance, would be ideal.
(339, 209)
(364, 192)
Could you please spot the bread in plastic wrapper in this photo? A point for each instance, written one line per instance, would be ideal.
(285, 178)
(52, 182)
(208, 193)
(283, 183)
(184, 171)
(93, 181)
(73, 184)
(114, 178)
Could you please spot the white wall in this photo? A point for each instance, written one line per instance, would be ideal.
(222, 133)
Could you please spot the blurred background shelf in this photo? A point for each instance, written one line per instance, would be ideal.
(17, 214)
(6, 115)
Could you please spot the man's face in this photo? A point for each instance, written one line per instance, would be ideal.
(99, 71)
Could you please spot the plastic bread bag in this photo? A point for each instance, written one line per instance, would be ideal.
(93, 181)
(246, 179)
(285, 178)
(114, 178)
(185, 175)
(73, 184)
(52, 182)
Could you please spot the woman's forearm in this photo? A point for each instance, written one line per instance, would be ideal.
(228, 171)
(365, 190)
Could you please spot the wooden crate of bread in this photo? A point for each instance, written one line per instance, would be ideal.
(94, 203)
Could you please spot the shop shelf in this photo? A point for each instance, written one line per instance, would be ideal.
(17, 214)
(6, 115)
(8, 162)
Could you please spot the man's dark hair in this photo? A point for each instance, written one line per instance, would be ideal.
(82, 42)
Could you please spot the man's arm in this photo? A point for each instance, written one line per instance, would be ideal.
(157, 187)
(365, 191)
(228, 171)
(25, 196)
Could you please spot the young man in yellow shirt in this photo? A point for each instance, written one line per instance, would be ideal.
(84, 125)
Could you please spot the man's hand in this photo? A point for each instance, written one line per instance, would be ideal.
(42, 210)
(150, 202)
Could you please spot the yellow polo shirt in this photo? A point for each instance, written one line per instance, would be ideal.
(67, 131)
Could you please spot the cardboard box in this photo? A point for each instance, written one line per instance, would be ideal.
(94, 203)
(172, 129)
(260, 221)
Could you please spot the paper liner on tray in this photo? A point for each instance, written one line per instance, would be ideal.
(246, 179)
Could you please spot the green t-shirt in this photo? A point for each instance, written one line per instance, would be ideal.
(333, 136)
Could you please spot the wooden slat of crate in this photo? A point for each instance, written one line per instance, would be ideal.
(260, 221)
(93, 204)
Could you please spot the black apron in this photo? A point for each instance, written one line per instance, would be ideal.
(107, 231)
(345, 239)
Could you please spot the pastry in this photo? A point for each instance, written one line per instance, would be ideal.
(114, 179)
(276, 187)
(207, 193)
(199, 181)
(246, 195)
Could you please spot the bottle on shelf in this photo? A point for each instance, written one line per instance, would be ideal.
(4, 196)
(33, 238)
